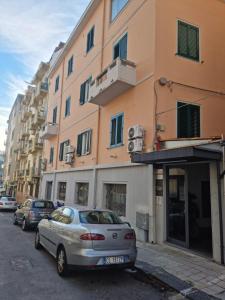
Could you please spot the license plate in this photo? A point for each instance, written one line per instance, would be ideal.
(114, 260)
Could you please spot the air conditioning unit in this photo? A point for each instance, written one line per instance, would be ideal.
(135, 145)
(69, 149)
(136, 131)
(69, 158)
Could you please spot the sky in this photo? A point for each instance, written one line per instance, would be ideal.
(29, 32)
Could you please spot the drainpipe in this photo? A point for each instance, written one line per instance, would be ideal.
(99, 114)
(220, 212)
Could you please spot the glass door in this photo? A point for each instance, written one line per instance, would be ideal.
(177, 206)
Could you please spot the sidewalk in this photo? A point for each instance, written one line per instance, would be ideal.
(194, 276)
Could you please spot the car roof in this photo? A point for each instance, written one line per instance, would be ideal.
(86, 208)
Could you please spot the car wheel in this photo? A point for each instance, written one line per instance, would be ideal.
(15, 222)
(61, 260)
(37, 244)
(24, 225)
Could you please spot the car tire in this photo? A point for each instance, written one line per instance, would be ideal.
(15, 222)
(24, 225)
(62, 267)
(37, 243)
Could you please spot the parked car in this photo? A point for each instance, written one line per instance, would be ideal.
(87, 239)
(8, 203)
(31, 212)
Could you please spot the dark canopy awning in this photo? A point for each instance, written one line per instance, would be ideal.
(186, 154)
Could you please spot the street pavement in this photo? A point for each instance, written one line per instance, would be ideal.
(26, 273)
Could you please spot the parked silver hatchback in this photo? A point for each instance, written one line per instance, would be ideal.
(87, 239)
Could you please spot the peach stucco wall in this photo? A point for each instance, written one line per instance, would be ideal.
(151, 26)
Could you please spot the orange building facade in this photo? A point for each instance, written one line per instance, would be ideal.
(135, 77)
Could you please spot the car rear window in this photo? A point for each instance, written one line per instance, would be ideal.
(8, 199)
(43, 204)
(99, 217)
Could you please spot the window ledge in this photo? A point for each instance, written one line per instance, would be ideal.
(115, 146)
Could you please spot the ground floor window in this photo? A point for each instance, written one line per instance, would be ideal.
(82, 189)
(115, 196)
(48, 194)
(62, 191)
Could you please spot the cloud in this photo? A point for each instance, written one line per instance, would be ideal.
(31, 29)
(29, 32)
(4, 113)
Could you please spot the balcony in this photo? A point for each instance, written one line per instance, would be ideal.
(112, 82)
(49, 130)
(35, 172)
(40, 92)
(38, 119)
(35, 144)
(26, 114)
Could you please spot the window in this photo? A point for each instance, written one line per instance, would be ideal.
(120, 49)
(62, 150)
(51, 156)
(67, 107)
(116, 135)
(70, 66)
(116, 7)
(116, 198)
(84, 143)
(188, 41)
(48, 190)
(90, 39)
(84, 91)
(54, 115)
(82, 193)
(188, 120)
(62, 191)
(99, 217)
(57, 84)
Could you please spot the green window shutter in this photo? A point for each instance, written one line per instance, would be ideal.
(188, 120)
(123, 47)
(79, 144)
(61, 151)
(193, 42)
(51, 155)
(182, 39)
(89, 141)
(119, 135)
(54, 116)
(116, 51)
(113, 132)
(82, 93)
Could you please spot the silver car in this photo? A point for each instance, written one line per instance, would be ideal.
(87, 239)
(8, 203)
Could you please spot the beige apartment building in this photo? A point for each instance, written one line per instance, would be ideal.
(134, 78)
(11, 166)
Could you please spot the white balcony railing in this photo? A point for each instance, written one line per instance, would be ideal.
(112, 82)
(49, 130)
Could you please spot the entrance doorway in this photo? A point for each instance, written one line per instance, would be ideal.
(189, 207)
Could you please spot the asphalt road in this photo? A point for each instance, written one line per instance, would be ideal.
(29, 274)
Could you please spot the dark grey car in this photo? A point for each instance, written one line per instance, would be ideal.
(31, 212)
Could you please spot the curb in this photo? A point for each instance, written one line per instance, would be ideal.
(182, 287)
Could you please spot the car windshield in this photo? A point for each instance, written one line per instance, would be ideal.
(8, 199)
(99, 217)
(43, 204)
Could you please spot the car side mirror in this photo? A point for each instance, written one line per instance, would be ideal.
(49, 218)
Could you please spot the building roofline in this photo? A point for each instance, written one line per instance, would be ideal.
(76, 32)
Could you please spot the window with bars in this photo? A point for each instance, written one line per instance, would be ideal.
(188, 41)
(62, 150)
(120, 48)
(188, 120)
(67, 107)
(116, 7)
(84, 90)
(56, 83)
(90, 39)
(115, 197)
(116, 134)
(62, 191)
(82, 189)
(84, 143)
(70, 66)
